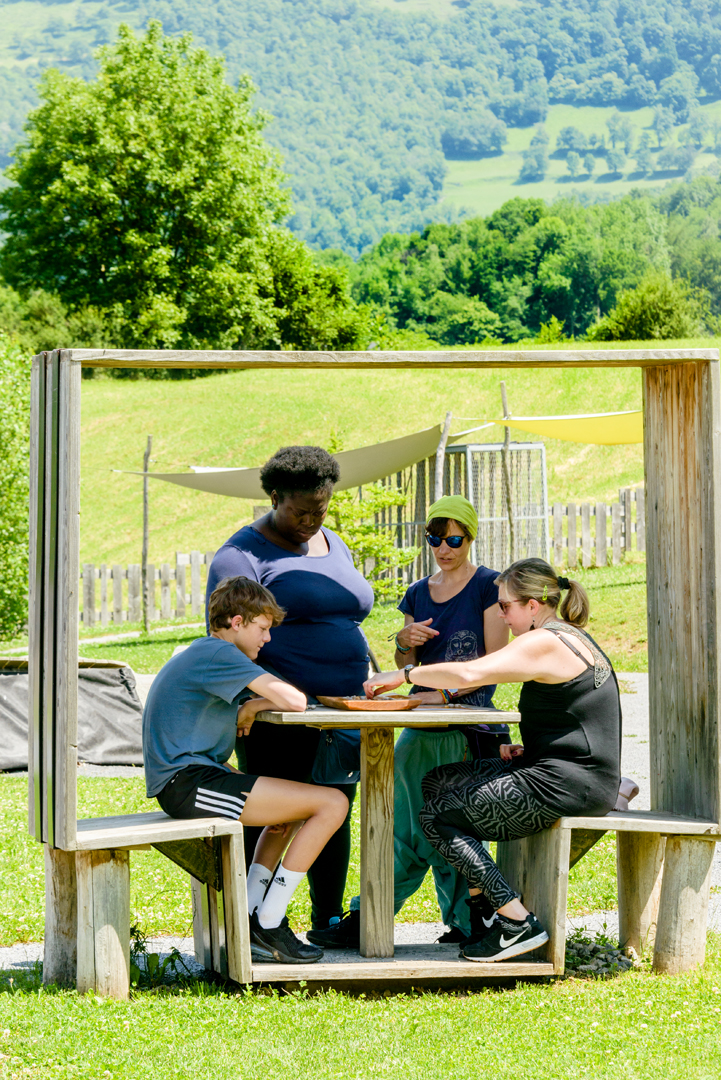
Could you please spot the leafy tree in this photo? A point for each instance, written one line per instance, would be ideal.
(570, 138)
(573, 163)
(150, 196)
(659, 308)
(14, 472)
(589, 164)
(644, 159)
(535, 158)
(615, 160)
(662, 123)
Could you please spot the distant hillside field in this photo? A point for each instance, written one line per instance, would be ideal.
(390, 114)
(241, 418)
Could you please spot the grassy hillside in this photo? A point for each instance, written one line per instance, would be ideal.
(481, 186)
(240, 418)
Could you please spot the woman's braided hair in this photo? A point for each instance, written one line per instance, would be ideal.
(535, 579)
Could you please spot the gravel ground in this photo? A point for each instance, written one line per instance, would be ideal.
(634, 763)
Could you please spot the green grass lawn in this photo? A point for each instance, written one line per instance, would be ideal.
(482, 185)
(634, 1027)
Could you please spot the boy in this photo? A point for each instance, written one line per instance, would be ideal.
(189, 730)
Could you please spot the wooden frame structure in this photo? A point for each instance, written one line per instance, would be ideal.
(664, 858)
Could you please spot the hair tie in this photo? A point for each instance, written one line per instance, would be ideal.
(563, 583)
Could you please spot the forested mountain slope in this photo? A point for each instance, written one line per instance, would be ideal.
(369, 100)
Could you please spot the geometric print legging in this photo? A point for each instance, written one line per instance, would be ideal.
(472, 801)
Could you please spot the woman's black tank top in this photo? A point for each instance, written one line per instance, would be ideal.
(571, 735)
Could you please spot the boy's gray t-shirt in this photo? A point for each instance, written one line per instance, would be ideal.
(191, 712)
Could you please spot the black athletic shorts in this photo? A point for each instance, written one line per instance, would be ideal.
(206, 791)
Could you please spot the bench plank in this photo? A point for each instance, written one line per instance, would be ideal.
(129, 830)
(658, 821)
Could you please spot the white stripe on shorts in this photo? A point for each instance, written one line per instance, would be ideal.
(218, 806)
(222, 795)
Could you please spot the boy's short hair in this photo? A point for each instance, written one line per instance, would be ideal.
(245, 597)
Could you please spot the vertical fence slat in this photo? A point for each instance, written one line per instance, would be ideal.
(585, 534)
(572, 549)
(104, 619)
(165, 609)
(616, 533)
(118, 575)
(179, 587)
(640, 519)
(627, 530)
(88, 595)
(557, 534)
(134, 606)
(195, 582)
(601, 534)
(151, 591)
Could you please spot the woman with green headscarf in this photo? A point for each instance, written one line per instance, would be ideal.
(451, 615)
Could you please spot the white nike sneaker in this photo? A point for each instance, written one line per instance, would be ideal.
(506, 939)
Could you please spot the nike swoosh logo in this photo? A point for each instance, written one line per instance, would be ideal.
(488, 923)
(504, 944)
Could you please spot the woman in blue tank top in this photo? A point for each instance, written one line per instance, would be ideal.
(319, 647)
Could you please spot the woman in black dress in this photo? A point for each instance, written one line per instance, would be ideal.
(569, 762)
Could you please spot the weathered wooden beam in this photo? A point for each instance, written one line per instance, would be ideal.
(200, 857)
(683, 905)
(582, 840)
(682, 457)
(471, 358)
(61, 918)
(376, 931)
(103, 882)
(639, 870)
(36, 603)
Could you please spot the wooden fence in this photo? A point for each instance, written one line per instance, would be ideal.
(182, 590)
(568, 541)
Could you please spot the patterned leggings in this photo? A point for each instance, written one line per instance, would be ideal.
(471, 801)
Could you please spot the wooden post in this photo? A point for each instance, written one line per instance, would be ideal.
(134, 592)
(146, 537)
(640, 519)
(88, 595)
(537, 868)
(441, 457)
(682, 422)
(627, 523)
(572, 550)
(376, 931)
(639, 868)
(600, 534)
(616, 544)
(103, 881)
(585, 535)
(505, 455)
(683, 906)
(149, 594)
(557, 534)
(235, 906)
(118, 577)
(61, 918)
(36, 601)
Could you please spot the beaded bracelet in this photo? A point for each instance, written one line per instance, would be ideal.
(400, 648)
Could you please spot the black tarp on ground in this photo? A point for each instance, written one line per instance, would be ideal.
(109, 716)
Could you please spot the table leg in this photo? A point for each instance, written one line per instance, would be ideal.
(376, 930)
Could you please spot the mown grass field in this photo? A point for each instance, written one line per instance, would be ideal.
(481, 186)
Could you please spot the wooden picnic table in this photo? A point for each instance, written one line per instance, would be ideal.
(377, 753)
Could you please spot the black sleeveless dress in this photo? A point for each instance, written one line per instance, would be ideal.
(571, 735)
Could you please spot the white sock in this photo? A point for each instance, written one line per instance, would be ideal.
(278, 896)
(259, 877)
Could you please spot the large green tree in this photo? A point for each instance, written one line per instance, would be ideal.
(150, 196)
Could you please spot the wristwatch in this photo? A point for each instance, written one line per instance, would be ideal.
(407, 670)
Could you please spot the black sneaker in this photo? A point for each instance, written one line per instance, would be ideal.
(281, 942)
(483, 916)
(341, 934)
(505, 939)
(454, 936)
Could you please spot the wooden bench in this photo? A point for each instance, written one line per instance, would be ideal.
(663, 867)
(87, 931)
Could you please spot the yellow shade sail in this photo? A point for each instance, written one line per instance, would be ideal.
(604, 429)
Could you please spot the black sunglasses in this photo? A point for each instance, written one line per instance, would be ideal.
(452, 541)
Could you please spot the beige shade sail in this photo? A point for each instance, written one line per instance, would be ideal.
(603, 429)
(357, 467)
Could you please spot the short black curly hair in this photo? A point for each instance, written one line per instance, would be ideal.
(299, 468)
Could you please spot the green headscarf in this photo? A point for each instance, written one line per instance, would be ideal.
(458, 508)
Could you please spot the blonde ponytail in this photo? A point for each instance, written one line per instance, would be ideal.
(534, 579)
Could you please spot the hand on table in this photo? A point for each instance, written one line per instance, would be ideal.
(416, 634)
(248, 712)
(511, 750)
(384, 680)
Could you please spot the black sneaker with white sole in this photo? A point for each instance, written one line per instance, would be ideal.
(505, 939)
(341, 934)
(281, 942)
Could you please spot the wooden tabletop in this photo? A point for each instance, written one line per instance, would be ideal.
(425, 716)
